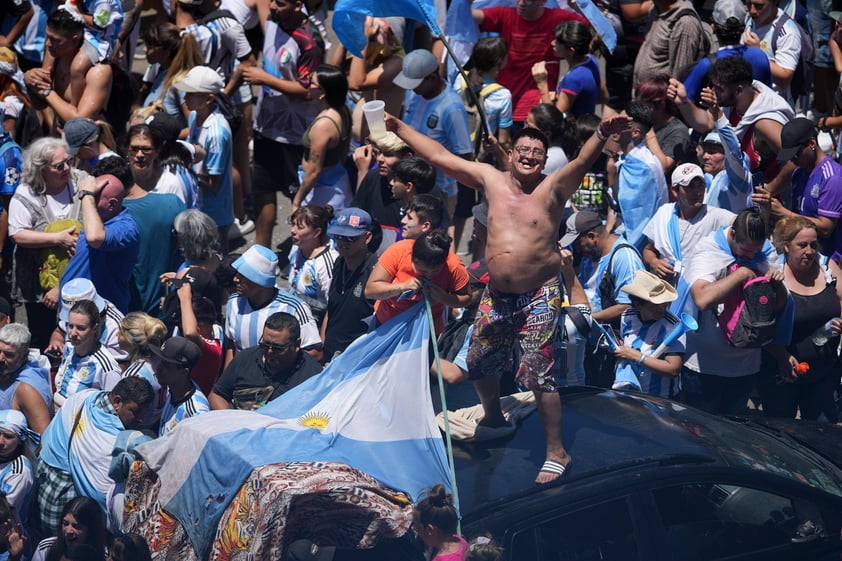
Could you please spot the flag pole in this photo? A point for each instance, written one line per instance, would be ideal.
(447, 438)
(484, 133)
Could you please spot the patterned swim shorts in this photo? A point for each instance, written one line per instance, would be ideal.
(531, 321)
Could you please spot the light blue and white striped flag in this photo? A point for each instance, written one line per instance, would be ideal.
(370, 409)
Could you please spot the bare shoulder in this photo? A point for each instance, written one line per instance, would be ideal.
(26, 395)
(99, 74)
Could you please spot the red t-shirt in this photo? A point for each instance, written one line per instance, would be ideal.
(529, 42)
(397, 260)
(207, 370)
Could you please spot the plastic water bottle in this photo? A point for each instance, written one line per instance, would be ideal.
(823, 334)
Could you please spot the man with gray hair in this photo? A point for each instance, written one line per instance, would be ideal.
(24, 383)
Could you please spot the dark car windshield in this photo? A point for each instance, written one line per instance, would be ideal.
(750, 446)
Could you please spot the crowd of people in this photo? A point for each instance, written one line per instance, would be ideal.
(626, 205)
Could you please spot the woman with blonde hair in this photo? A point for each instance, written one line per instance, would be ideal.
(139, 332)
(813, 281)
(171, 54)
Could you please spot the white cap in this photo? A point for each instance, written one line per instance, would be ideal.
(685, 173)
(201, 79)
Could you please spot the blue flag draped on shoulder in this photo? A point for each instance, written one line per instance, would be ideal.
(370, 409)
(349, 18)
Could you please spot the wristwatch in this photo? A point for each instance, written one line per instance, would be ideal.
(83, 194)
(45, 92)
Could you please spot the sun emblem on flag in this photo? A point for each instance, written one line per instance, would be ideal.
(314, 420)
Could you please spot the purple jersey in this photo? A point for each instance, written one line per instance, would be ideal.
(820, 194)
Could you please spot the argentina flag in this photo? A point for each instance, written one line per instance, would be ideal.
(370, 409)
(349, 18)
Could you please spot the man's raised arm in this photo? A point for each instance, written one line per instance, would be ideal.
(468, 173)
(565, 181)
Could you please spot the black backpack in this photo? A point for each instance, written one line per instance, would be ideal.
(802, 79)
(607, 284)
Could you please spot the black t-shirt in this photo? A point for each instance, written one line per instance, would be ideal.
(347, 305)
(15, 8)
(246, 371)
(374, 196)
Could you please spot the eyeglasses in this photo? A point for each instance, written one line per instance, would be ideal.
(62, 164)
(526, 151)
(346, 239)
(144, 149)
(273, 347)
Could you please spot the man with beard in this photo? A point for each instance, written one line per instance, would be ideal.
(267, 370)
(24, 384)
(522, 302)
(291, 53)
(755, 111)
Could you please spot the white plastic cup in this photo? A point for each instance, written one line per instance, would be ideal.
(374, 112)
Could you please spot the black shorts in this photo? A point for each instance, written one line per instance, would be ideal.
(275, 166)
(466, 199)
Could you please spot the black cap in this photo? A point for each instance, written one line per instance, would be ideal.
(305, 550)
(579, 223)
(795, 135)
(165, 125)
(178, 350)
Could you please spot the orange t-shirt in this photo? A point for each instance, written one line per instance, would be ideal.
(397, 260)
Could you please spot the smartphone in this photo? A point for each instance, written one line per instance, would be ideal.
(757, 179)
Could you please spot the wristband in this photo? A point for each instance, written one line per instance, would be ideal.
(83, 194)
(823, 123)
(600, 135)
(642, 358)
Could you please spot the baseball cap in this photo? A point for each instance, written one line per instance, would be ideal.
(305, 550)
(480, 213)
(579, 223)
(258, 264)
(794, 136)
(712, 138)
(685, 173)
(835, 15)
(417, 65)
(165, 124)
(78, 132)
(75, 290)
(350, 222)
(201, 79)
(725, 10)
(178, 350)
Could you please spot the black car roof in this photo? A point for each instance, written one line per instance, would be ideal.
(606, 431)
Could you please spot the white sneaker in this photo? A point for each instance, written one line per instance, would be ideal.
(239, 229)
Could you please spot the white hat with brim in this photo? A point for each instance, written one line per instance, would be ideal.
(75, 290)
(258, 264)
(647, 286)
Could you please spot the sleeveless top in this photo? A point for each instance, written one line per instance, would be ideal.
(811, 314)
(336, 154)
